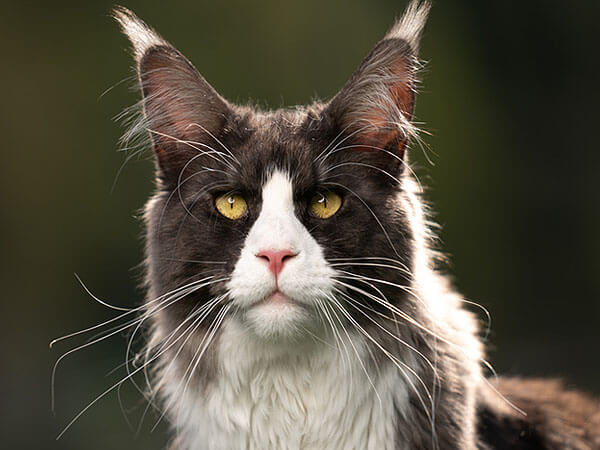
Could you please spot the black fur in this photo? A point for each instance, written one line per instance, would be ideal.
(355, 146)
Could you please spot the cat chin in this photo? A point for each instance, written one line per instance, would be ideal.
(278, 320)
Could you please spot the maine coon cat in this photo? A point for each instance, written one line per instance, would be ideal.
(293, 299)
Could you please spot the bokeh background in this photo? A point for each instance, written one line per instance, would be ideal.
(510, 96)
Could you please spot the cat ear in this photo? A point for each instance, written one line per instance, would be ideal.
(181, 110)
(374, 109)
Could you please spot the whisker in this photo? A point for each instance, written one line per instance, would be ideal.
(198, 146)
(336, 303)
(398, 363)
(488, 327)
(379, 169)
(386, 304)
(218, 141)
(139, 325)
(408, 272)
(191, 261)
(337, 339)
(354, 133)
(436, 378)
(405, 316)
(372, 213)
(130, 343)
(168, 301)
(373, 258)
(354, 302)
(113, 387)
(196, 312)
(130, 311)
(197, 197)
(102, 302)
(331, 143)
(366, 280)
(383, 266)
(206, 340)
(190, 331)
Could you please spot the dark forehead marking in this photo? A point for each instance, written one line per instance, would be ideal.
(284, 140)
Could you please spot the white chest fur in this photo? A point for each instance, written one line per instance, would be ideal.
(290, 397)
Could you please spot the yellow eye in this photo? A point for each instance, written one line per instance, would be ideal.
(325, 205)
(232, 206)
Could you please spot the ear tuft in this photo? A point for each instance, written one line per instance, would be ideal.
(376, 105)
(410, 26)
(142, 37)
(180, 110)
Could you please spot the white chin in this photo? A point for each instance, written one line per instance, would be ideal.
(277, 320)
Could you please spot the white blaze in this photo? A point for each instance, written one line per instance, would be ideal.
(303, 279)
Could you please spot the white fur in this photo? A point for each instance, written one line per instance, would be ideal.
(272, 396)
(283, 390)
(411, 24)
(142, 37)
(304, 278)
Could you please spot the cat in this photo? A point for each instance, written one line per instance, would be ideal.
(292, 292)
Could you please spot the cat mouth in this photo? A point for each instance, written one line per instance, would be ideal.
(277, 298)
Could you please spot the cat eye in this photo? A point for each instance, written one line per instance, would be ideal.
(326, 204)
(232, 206)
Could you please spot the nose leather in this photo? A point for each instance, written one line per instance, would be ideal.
(276, 259)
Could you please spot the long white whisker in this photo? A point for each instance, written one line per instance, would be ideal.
(150, 399)
(372, 213)
(331, 143)
(393, 155)
(337, 304)
(206, 341)
(436, 378)
(338, 340)
(139, 325)
(391, 307)
(131, 311)
(196, 146)
(107, 391)
(383, 266)
(197, 310)
(161, 306)
(414, 322)
(357, 131)
(179, 184)
(204, 311)
(398, 363)
(372, 258)
(102, 302)
(354, 302)
(218, 141)
(366, 280)
(130, 341)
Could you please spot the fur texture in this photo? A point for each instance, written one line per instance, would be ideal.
(358, 342)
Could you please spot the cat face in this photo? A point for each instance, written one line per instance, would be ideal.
(281, 273)
(280, 216)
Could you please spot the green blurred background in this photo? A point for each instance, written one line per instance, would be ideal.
(510, 96)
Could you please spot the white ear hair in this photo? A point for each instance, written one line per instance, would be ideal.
(180, 110)
(410, 26)
(141, 36)
(376, 104)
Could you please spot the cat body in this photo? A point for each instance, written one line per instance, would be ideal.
(319, 393)
(292, 291)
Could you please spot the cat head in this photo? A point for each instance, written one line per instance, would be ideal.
(285, 220)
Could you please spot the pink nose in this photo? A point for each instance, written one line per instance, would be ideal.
(276, 259)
